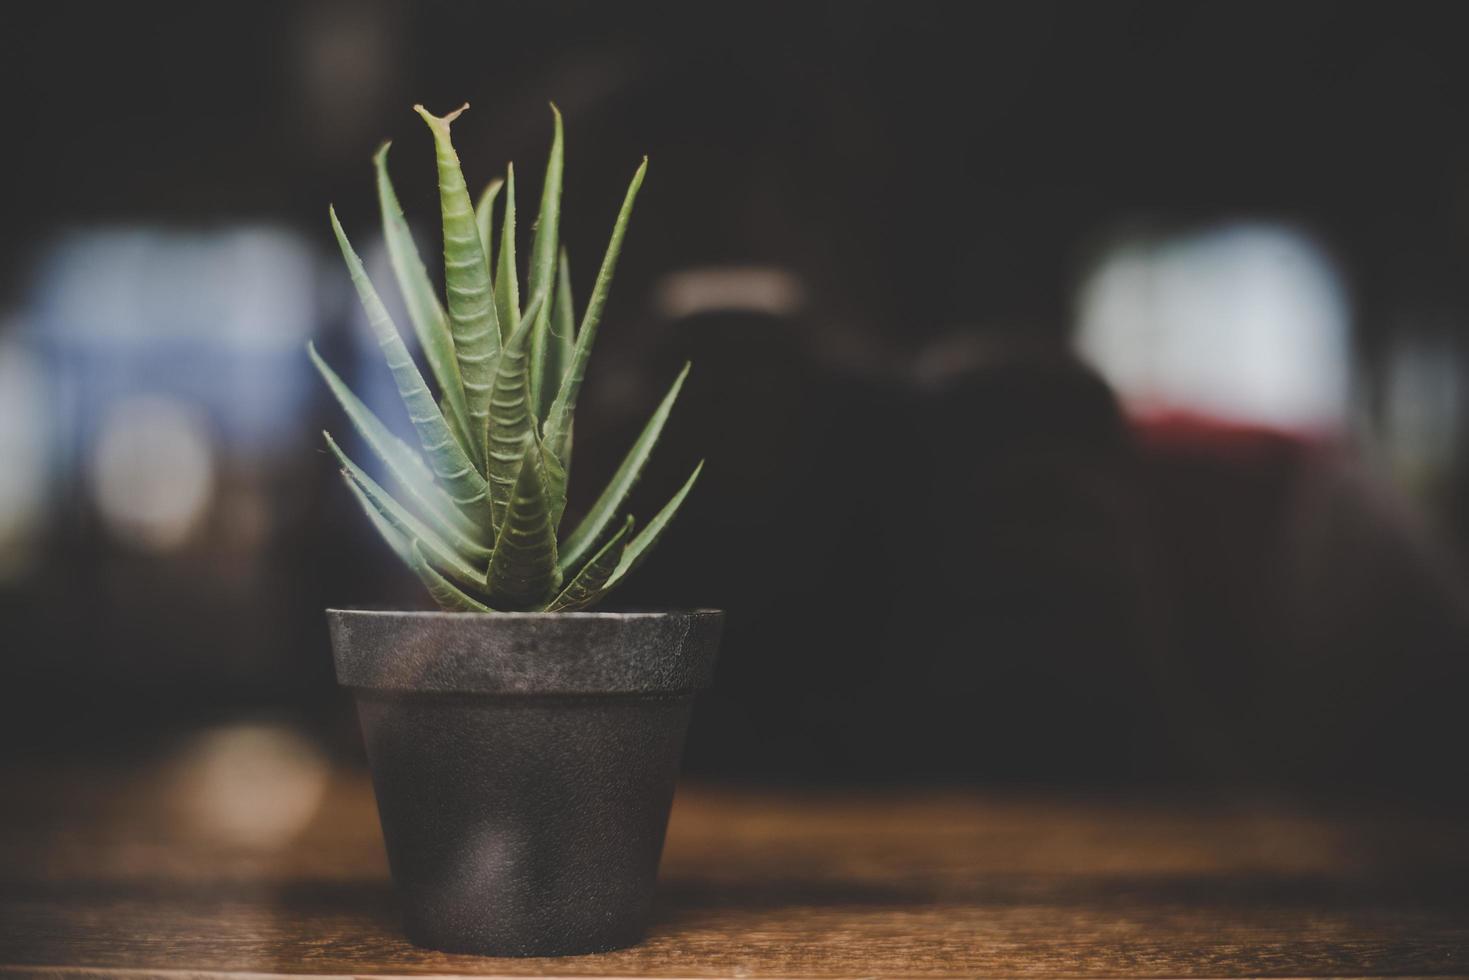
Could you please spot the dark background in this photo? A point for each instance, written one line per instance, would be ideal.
(948, 547)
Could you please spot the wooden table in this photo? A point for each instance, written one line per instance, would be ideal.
(200, 863)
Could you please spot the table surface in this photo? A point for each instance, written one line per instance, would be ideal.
(204, 865)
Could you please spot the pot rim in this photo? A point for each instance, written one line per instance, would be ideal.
(644, 652)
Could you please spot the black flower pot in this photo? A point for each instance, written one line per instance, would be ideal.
(524, 766)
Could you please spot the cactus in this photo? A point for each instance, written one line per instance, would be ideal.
(475, 511)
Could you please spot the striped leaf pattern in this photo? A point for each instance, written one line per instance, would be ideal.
(472, 315)
(523, 570)
(478, 509)
(406, 467)
(443, 553)
(401, 545)
(445, 593)
(448, 595)
(451, 466)
(590, 583)
(430, 323)
(510, 415)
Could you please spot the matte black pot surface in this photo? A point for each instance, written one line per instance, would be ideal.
(524, 765)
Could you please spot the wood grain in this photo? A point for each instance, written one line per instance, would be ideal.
(119, 871)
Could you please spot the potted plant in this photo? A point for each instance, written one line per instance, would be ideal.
(523, 751)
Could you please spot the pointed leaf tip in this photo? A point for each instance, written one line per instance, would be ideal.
(589, 533)
(559, 417)
(507, 286)
(639, 547)
(545, 362)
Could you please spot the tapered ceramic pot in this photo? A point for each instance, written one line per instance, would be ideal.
(524, 765)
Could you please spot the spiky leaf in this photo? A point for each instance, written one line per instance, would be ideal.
(405, 465)
(556, 480)
(448, 595)
(472, 315)
(563, 329)
(523, 570)
(558, 421)
(453, 468)
(484, 220)
(641, 546)
(455, 429)
(563, 321)
(588, 585)
(590, 531)
(510, 414)
(395, 539)
(430, 323)
(543, 380)
(453, 557)
(507, 286)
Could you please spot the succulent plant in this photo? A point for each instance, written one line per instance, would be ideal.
(477, 514)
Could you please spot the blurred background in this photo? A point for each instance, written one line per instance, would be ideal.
(1083, 387)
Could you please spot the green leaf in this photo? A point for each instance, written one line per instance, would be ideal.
(523, 570)
(639, 547)
(558, 421)
(548, 220)
(455, 429)
(472, 314)
(429, 320)
(448, 595)
(563, 321)
(510, 415)
(401, 546)
(452, 557)
(484, 219)
(507, 286)
(556, 480)
(543, 382)
(558, 468)
(589, 532)
(445, 593)
(589, 584)
(453, 468)
(405, 465)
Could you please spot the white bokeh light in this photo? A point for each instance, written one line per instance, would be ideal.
(152, 472)
(251, 785)
(1246, 323)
